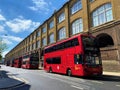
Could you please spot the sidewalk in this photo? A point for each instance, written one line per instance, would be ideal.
(111, 73)
(9, 81)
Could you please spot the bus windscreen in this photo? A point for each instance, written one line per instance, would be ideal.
(92, 52)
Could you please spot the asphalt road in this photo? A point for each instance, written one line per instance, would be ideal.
(41, 80)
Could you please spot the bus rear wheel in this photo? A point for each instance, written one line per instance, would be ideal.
(50, 70)
(69, 73)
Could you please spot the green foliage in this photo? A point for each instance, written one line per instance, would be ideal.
(3, 46)
(0, 57)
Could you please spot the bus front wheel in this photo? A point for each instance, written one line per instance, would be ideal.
(69, 73)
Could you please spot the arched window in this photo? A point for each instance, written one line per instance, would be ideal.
(62, 33)
(77, 26)
(44, 42)
(51, 38)
(38, 44)
(76, 7)
(102, 15)
(61, 17)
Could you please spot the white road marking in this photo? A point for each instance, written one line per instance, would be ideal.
(77, 87)
(17, 78)
(66, 77)
(118, 85)
(86, 87)
(26, 81)
(97, 82)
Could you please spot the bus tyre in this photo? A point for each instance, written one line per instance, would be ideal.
(69, 73)
(50, 70)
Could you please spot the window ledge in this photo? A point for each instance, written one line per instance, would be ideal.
(107, 24)
(76, 12)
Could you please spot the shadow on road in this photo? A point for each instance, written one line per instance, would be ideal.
(3, 74)
(22, 87)
(104, 78)
(11, 83)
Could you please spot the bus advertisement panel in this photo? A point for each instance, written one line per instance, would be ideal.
(78, 55)
(31, 61)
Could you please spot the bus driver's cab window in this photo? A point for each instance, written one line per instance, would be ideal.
(78, 59)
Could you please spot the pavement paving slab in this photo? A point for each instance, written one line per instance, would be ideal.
(111, 73)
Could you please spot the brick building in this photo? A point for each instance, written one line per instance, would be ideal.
(98, 17)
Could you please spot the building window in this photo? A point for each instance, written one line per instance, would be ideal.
(30, 47)
(76, 7)
(44, 43)
(77, 26)
(102, 15)
(38, 33)
(34, 36)
(51, 25)
(38, 44)
(44, 30)
(62, 33)
(91, 0)
(33, 46)
(61, 17)
(51, 38)
(30, 38)
(27, 49)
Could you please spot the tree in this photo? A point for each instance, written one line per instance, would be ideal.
(3, 46)
(0, 57)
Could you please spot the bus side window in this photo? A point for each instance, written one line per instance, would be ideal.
(78, 59)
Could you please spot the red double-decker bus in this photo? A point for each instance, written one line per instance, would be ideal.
(7, 63)
(12, 63)
(31, 61)
(78, 55)
(18, 62)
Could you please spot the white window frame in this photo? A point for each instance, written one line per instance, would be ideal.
(34, 37)
(44, 41)
(51, 24)
(102, 15)
(38, 44)
(76, 7)
(77, 26)
(61, 17)
(44, 30)
(62, 33)
(51, 38)
(31, 38)
(91, 0)
(38, 33)
(33, 46)
(30, 47)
